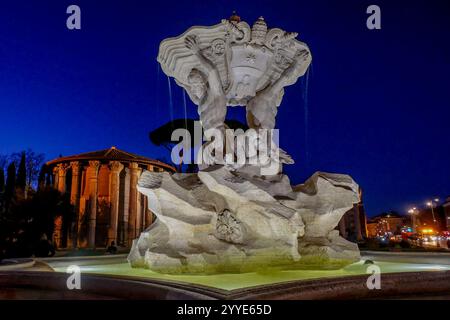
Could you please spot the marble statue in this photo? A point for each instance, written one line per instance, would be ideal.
(205, 89)
(237, 219)
(231, 64)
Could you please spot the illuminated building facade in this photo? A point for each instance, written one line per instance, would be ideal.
(387, 223)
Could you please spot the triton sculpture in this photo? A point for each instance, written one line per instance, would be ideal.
(235, 219)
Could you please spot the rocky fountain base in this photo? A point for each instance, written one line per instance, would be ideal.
(223, 220)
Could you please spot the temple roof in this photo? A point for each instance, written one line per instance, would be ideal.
(112, 154)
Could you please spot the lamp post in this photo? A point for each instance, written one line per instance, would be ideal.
(431, 204)
(413, 212)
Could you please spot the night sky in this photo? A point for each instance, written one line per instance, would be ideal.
(375, 106)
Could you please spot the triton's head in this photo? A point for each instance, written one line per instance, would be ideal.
(197, 84)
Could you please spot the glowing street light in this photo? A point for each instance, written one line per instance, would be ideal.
(432, 204)
(414, 212)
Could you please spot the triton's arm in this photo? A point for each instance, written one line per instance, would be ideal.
(213, 74)
(191, 44)
(280, 83)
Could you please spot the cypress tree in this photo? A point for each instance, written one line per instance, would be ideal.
(48, 179)
(22, 173)
(2, 190)
(2, 180)
(42, 176)
(2, 195)
(10, 182)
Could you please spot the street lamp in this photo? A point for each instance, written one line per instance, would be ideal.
(413, 212)
(432, 204)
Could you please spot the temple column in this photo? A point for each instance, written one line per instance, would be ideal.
(133, 217)
(116, 167)
(81, 205)
(55, 177)
(60, 184)
(93, 187)
(75, 202)
(125, 198)
(148, 213)
(139, 217)
(62, 170)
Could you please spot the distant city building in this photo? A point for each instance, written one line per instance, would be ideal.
(353, 224)
(385, 223)
(102, 187)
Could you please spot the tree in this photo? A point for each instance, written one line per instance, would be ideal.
(29, 219)
(33, 164)
(42, 178)
(162, 136)
(2, 191)
(10, 187)
(3, 161)
(48, 179)
(21, 181)
(2, 180)
(24, 220)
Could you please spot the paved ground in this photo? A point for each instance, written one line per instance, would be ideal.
(438, 258)
(62, 262)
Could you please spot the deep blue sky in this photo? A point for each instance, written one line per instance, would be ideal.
(378, 101)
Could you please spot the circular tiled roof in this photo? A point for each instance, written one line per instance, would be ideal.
(112, 154)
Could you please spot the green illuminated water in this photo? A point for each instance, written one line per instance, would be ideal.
(230, 281)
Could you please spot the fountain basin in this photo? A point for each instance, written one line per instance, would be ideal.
(233, 281)
(428, 277)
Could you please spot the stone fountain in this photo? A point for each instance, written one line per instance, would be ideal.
(229, 218)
